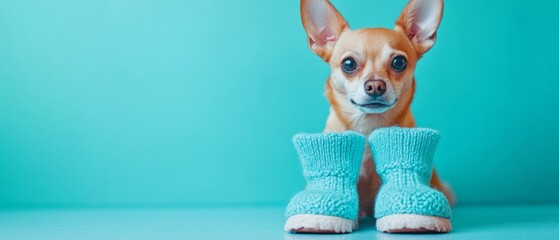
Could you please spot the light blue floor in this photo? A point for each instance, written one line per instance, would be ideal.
(509, 222)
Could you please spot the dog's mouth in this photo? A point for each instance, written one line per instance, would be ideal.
(374, 106)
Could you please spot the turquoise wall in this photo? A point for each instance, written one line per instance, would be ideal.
(154, 103)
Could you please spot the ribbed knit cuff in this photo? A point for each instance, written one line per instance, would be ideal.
(330, 154)
(404, 148)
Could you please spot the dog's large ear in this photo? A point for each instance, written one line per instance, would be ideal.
(420, 21)
(323, 24)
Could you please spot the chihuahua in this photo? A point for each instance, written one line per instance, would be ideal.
(371, 84)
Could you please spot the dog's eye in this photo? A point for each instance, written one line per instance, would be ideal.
(399, 63)
(349, 65)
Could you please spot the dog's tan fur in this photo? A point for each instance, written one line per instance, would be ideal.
(331, 39)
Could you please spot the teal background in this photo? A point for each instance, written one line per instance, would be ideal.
(166, 103)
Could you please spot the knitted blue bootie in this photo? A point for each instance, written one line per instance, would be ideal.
(331, 163)
(405, 201)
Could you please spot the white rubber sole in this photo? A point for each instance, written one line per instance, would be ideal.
(412, 223)
(312, 223)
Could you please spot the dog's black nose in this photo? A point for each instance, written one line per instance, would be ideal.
(375, 88)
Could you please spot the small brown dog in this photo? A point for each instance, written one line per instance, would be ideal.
(372, 82)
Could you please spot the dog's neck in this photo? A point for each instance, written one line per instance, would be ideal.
(344, 116)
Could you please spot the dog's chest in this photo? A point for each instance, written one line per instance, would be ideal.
(365, 124)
